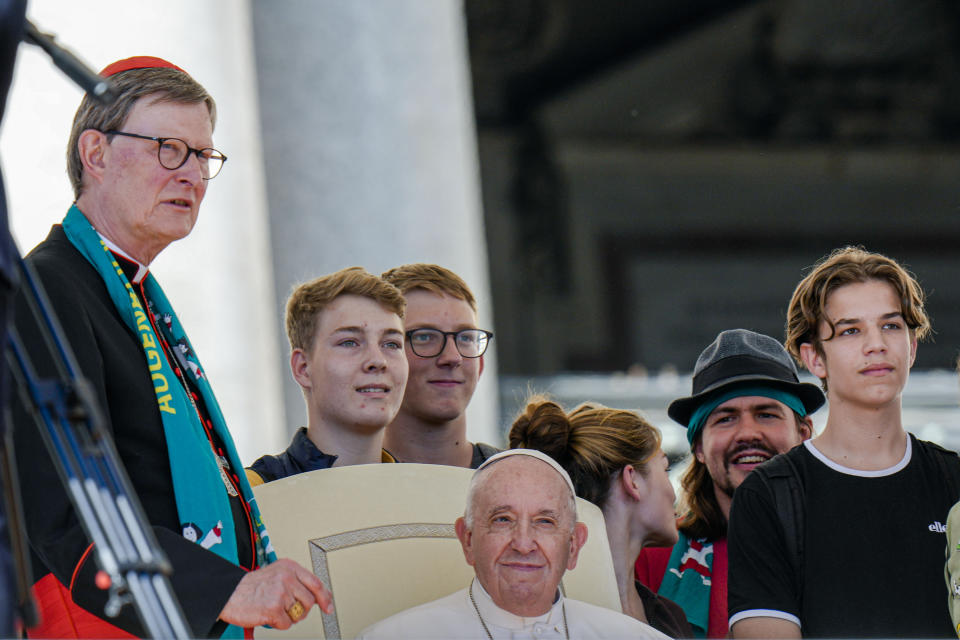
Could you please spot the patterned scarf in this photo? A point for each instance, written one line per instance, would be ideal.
(202, 500)
(687, 580)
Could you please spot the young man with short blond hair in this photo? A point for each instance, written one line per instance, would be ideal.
(346, 353)
(445, 355)
(843, 537)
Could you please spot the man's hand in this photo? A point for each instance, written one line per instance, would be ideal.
(264, 596)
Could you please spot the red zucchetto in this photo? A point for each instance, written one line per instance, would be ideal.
(138, 62)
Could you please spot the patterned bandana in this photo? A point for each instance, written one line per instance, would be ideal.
(197, 480)
(688, 579)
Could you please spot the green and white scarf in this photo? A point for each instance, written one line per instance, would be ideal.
(197, 484)
(688, 579)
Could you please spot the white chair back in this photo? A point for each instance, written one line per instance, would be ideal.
(381, 537)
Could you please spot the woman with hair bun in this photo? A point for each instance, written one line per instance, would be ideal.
(615, 461)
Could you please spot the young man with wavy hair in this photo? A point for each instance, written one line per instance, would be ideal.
(855, 546)
(747, 406)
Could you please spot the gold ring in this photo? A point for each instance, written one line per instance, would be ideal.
(296, 611)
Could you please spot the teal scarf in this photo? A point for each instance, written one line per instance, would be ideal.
(688, 579)
(202, 499)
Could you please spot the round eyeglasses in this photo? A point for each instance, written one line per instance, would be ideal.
(173, 153)
(429, 343)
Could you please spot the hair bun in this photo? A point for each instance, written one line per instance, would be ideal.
(543, 426)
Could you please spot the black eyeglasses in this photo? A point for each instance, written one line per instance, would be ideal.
(173, 153)
(429, 343)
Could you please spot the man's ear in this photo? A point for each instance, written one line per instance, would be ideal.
(579, 539)
(805, 427)
(480, 373)
(913, 347)
(814, 361)
(300, 366)
(93, 147)
(698, 450)
(465, 536)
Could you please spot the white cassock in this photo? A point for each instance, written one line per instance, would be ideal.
(455, 617)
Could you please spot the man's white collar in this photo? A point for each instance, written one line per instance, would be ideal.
(141, 269)
(494, 616)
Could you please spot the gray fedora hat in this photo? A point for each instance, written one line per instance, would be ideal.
(743, 357)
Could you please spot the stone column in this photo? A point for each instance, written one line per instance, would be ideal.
(370, 150)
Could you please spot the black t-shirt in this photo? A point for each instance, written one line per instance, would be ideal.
(873, 547)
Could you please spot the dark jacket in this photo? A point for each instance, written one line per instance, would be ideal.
(112, 360)
(302, 455)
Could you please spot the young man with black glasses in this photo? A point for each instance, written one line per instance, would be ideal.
(445, 355)
(346, 353)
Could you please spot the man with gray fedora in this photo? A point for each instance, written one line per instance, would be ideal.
(747, 406)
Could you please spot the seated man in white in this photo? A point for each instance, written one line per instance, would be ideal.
(520, 534)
